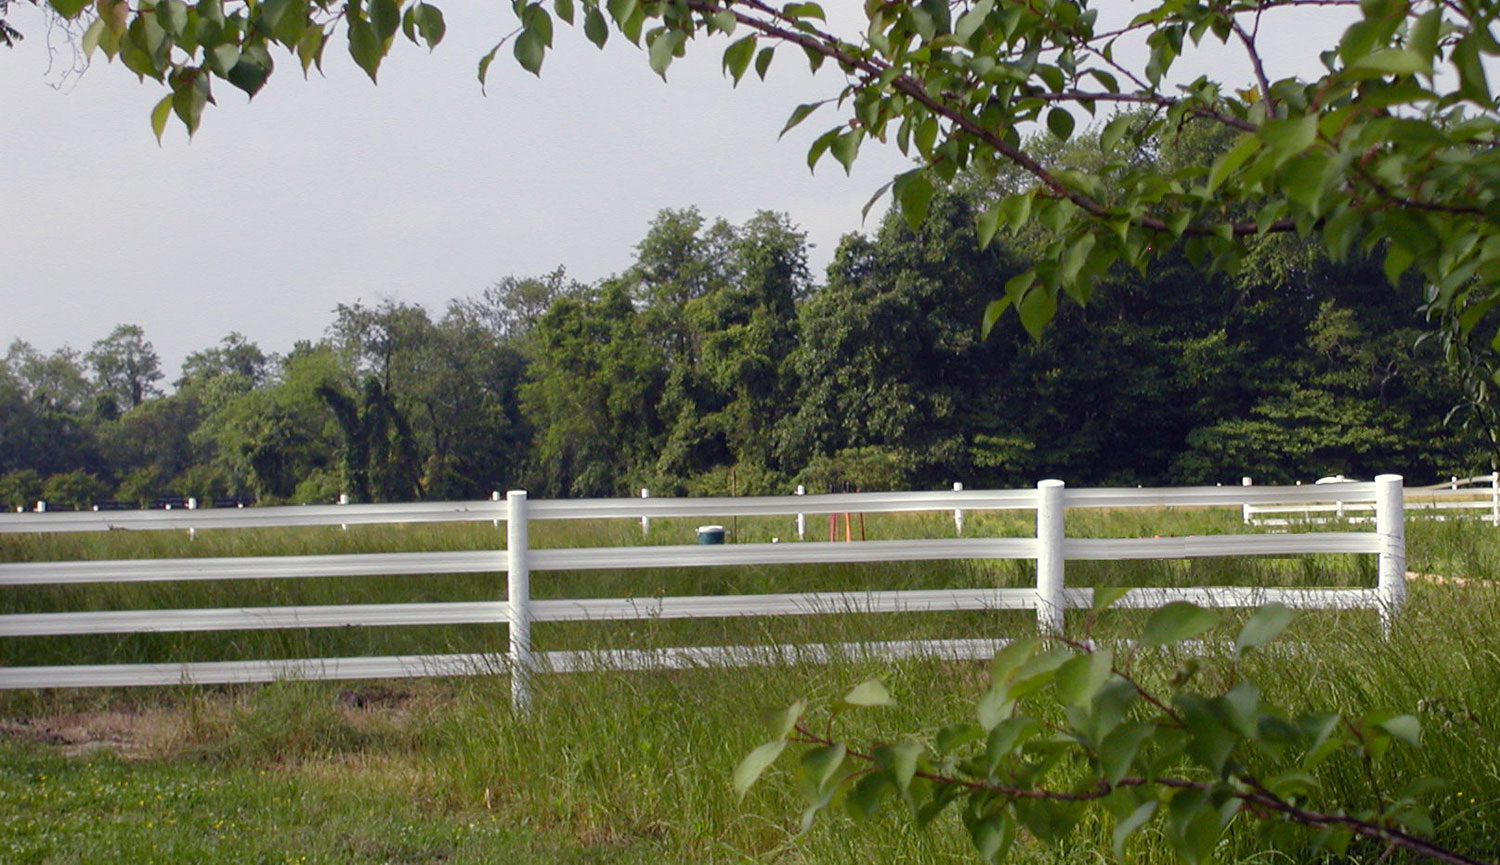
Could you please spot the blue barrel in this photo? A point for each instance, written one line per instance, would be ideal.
(710, 535)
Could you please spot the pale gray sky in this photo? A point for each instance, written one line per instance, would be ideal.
(422, 189)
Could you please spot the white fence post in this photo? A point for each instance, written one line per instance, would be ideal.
(958, 514)
(1050, 600)
(645, 521)
(518, 596)
(1390, 526)
(1245, 508)
(801, 518)
(1495, 498)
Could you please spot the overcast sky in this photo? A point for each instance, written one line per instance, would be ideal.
(423, 189)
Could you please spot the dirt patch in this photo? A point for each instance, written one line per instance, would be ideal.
(1440, 580)
(134, 735)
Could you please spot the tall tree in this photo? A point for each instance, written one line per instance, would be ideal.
(126, 369)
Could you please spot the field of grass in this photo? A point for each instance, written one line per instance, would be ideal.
(634, 767)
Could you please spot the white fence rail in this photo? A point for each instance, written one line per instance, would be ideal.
(1460, 498)
(1050, 549)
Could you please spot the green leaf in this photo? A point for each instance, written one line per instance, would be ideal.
(900, 760)
(750, 768)
(1004, 739)
(994, 706)
(663, 48)
(1127, 827)
(1104, 596)
(1118, 750)
(955, 736)
(596, 28)
(871, 692)
(1225, 165)
(798, 115)
(367, 50)
(1393, 61)
(529, 52)
(1287, 138)
(430, 24)
(484, 64)
(985, 225)
(1016, 209)
(1176, 622)
(159, 116)
(804, 10)
(1406, 728)
(914, 191)
(737, 57)
(69, 9)
(1008, 660)
(993, 835)
(385, 17)
(1192, 826)
(621, 10)
(845, 147)
(781, 722)
(1060, 123)
(724, 22)
(926, 136)
(91, 38)
(1079, 679)
(763, 61)
(248, 76)
(1264, 626)
(992, 312)
(863, 800)
(173, 16)
(1036, 309)
(564, 10)
(818, 768)
(189, 98)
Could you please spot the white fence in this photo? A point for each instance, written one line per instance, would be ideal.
(1460, 498)
(1050, 598)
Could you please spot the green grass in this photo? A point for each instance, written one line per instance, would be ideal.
(626, 768)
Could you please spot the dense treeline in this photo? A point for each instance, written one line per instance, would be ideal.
(716, 364)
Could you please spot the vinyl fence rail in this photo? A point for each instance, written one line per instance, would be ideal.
(1460, 498)
(1050, 598)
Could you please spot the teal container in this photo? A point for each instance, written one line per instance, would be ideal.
(710, 535)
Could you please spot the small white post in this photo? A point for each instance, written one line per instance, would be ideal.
(1050, 601)
(518, 597)
(1390, 526)
(958, 515)
(192, 504)
(41, 507)
(343, 498)
(1453, 482)
(1245, 508)
(1495, 498)
(495, 497)
(801, 518)
(645, 521)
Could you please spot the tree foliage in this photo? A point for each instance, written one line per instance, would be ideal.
(1069, 728)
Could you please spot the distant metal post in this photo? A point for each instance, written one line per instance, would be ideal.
(801, 518)
(518, 597)
(1245, 508)
(1050, 600)
(1390, 526)
(958, 515)
(645, 520)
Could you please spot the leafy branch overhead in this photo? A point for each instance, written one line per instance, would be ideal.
(1067, 727)
(1391, 148)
